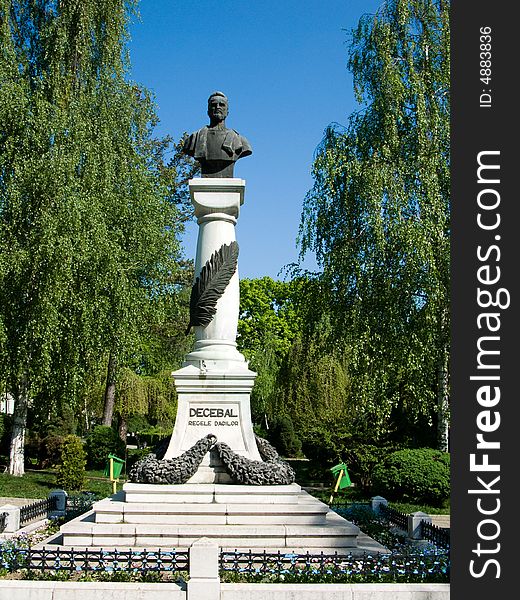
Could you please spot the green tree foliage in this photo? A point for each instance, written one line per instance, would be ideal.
(314, 382)
(161, 341)
(71, 470)
(285, 331)
(102, 441)
(267, 307)
(153, 396)
(377, 218)
(88, 226)
(362, 459)
(268, 323)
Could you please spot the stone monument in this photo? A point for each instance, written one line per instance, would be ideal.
(213, 429)
(215, 478)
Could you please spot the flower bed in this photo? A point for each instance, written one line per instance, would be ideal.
(404, 563)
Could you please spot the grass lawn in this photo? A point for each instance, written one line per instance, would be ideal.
(38, 484)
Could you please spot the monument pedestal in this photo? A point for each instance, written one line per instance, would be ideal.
(217, 205)
(215, 402)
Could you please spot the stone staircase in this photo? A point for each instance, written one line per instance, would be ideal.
(267, 518)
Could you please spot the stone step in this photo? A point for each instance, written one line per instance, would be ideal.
(108, 511)
(329, 535)
(237, 517)
(211, 493)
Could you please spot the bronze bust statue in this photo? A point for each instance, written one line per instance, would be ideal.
(214, 146)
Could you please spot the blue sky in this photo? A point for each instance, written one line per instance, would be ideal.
(282, 65)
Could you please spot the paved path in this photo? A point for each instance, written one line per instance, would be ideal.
(441, 521)
(17, 501)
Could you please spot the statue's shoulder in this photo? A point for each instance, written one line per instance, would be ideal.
(239, 136)
(195, 142)
(200, 131)
(243, 144)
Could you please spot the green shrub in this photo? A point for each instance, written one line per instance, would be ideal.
(361, 461)
(32, 452)
(45, 451)
(260, 431)
(100, 442)
(419, 475)
(284, 438)
(50, 450)
(71, 471)
(137, 423)
(153, 435)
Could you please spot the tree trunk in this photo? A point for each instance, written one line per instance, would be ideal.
(443, 402)
(443, 388)
(86, 413)
(123, 428)
(16, 451)
(110, 390)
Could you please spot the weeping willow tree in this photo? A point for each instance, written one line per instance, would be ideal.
(154, 398)
(314, 383)
(88, 236)
(378, 219)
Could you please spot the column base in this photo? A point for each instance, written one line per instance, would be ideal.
(219, 356)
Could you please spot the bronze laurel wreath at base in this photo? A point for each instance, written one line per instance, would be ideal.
(272, 470)
(151, 469)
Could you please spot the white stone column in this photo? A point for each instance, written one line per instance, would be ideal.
(12, 521)
(217, 207)
(414, 524)
(214, 385)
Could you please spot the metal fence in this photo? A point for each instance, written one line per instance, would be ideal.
(37, 509)
(382, 566)
(394, 516)
(437, 535)
(77, 505)
(94, 560)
